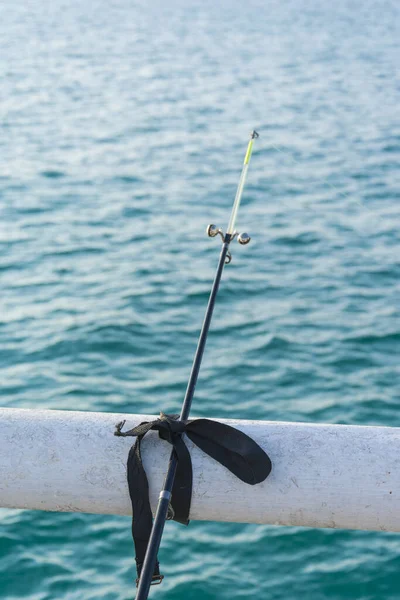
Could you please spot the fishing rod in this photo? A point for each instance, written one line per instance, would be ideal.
(149, 572)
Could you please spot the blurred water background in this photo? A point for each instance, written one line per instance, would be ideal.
(122, 132)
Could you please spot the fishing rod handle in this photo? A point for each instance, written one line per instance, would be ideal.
(146, 575)
(187, 402)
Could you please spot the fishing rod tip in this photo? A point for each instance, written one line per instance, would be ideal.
(254, 134)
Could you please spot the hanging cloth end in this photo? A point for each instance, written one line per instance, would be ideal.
(157, 577)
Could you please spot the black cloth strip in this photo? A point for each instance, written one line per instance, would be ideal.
(232, 448)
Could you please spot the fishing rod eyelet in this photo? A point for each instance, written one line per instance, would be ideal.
(244, 239)
(214, 230)
(228, 258)
(155, 580)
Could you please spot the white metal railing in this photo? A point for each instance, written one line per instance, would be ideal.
(322, 475)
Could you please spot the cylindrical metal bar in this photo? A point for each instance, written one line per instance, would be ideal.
(324, 475)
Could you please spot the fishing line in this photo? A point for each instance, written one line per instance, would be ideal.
(323, 180)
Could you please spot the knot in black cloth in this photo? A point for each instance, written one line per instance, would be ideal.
(232, 448)
(169, 427)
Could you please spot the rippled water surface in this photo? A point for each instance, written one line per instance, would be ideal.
(122, 131)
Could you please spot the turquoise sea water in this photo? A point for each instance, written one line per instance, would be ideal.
(122, 131)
